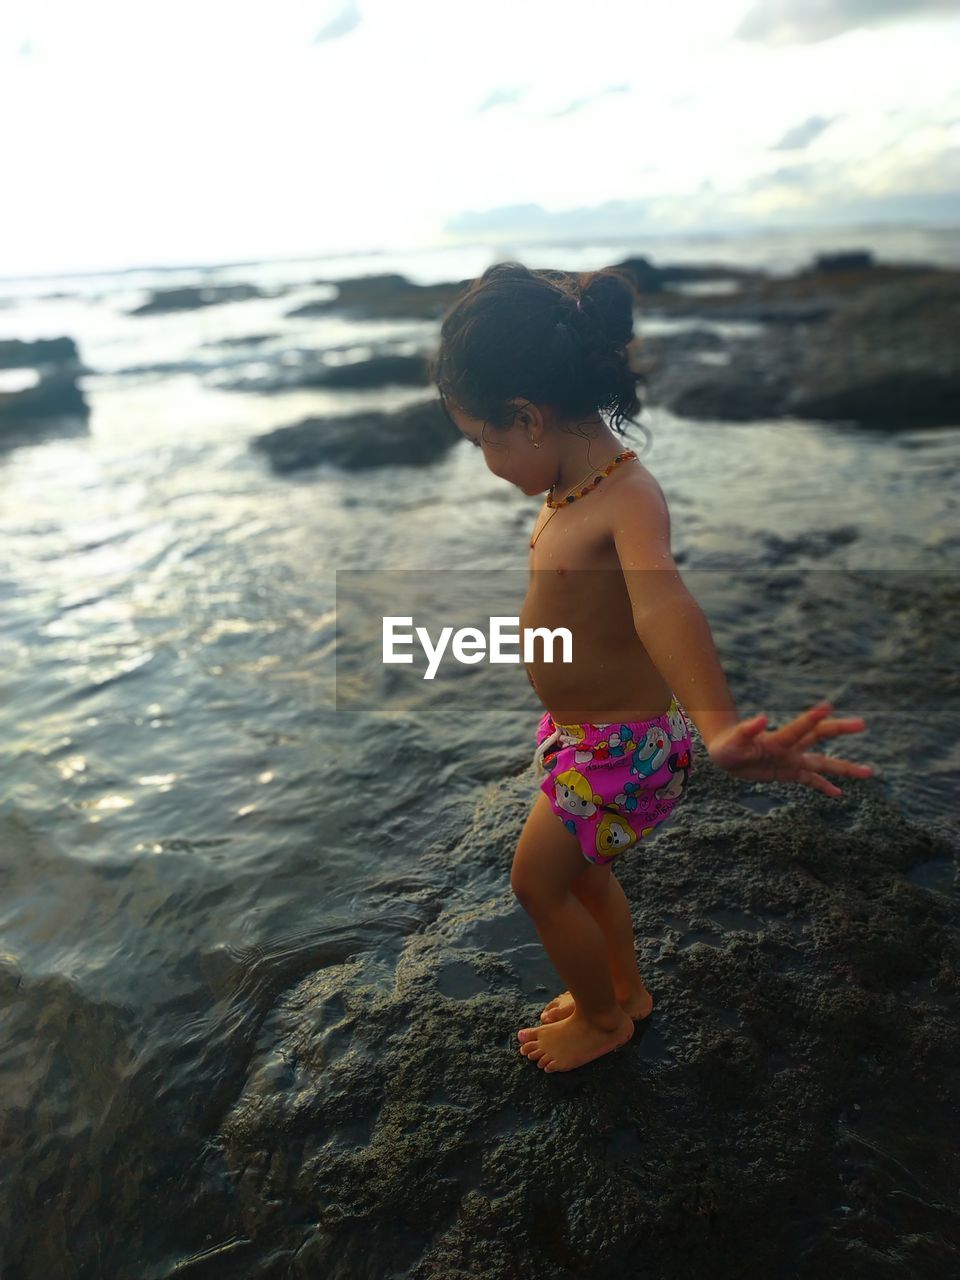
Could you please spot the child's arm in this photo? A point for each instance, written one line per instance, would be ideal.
(677, 636)
(667, 618)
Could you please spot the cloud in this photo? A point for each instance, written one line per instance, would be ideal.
(507, 218)
(779, 22)
(579, 103)
(347, 20)
(501, 98)
(533, 222)
(801, 135)
(508, 97)
(807, 195)
(788, 175)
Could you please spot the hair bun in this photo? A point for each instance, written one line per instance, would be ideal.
(504, 271)
(612, 296)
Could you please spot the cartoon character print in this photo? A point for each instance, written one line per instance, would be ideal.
(614, 834)
(677, 722)
(662, 745)
(574, 795)
(679, 764)
(614, 745)
(652, 752)
(621, 742)
(634, 796)
(571, 734)
(629, 798)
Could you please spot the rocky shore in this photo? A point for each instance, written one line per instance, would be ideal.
(871, 345)
(263, 1033)
(846, 340)
(38, 388)
(789, 1109)
(409, 437)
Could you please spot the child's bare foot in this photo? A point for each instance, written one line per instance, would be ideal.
(572, 1041)
(637, 1004)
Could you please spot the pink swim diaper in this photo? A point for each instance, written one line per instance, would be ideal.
(611, 784)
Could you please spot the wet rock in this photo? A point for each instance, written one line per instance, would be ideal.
(650, 279)
(313, 371)
(726, 394)
(887, 401)
(799, 1068)
(881, 355)
(374, 297)
(38, 380)
(411, 436)
(192, 297)
(243, 340)
(845, 339)
(855, 259)
(11, 977)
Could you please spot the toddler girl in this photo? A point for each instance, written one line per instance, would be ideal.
(527, 363)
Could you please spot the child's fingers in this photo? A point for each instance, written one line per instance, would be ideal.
(747, 729)
(830, 729)
(821, 784)
(833, 764)
(804, 724)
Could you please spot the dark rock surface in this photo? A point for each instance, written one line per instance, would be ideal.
(53, 365)
(852, 342)
(651, 279)
(845, 340)
(875, 346)
(191, 297)
(243, 340)
(855, 258)
(411, 436)
(790, 1108)
(375, 297)
(380, 370)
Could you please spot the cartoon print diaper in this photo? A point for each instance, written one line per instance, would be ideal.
(575, 795)
(612, 785)
(653, 750)
(614, 834)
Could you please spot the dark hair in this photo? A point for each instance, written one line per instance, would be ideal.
(521, 333)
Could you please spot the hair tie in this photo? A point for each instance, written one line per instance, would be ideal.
(579, 308)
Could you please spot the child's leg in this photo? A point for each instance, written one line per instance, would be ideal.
(602, 894)
(547, 861)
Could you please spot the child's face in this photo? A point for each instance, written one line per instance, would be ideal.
(522, 453)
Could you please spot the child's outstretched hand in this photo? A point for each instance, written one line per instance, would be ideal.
(781, 755)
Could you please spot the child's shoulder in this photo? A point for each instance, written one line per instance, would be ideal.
(636, 501)
(632, 482)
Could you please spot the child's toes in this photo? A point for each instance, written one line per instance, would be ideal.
(560, 1007)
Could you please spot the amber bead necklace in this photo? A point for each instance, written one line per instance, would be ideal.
(555, 505)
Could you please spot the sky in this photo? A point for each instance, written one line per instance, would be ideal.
(161, 132)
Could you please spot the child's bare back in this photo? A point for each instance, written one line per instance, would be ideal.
(576, 582)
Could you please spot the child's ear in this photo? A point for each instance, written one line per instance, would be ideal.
(527, 414)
